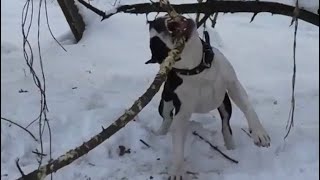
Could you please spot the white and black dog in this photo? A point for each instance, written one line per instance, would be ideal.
(201, 81)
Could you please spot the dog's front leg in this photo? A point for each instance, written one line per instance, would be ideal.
(179, 130)
(166, 111)
(240, 98)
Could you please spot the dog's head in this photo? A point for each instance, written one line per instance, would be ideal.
(163, 32)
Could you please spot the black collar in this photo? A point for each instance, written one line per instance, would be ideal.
(207, 58)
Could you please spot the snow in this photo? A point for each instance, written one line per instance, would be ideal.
(107, 67)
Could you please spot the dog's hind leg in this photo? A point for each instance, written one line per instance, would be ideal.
(225, 111)
(166, 111)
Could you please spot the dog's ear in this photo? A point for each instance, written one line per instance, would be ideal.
(159, 50)
(151, 61)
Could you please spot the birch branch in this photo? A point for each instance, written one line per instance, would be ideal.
(122, 121)
(138, 105)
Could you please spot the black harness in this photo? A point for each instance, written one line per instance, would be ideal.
(207, 58)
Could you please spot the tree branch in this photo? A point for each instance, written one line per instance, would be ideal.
(215, 6)
(198, 14)
(203, 20)
(138, 105)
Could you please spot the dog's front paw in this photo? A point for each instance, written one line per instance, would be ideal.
(162, 131)
(178, 174)
(260, 137)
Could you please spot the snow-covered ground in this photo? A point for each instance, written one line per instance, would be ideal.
(107, 67)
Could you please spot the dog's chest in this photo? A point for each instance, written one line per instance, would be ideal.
(200, 95)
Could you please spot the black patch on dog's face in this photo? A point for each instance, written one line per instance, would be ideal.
(158, 24)
(159, 50)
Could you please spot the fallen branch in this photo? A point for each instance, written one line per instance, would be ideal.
(146, 144)
(138, 105)
(212, 7)
(215, 148)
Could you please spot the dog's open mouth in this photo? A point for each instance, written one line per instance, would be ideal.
(178, 27)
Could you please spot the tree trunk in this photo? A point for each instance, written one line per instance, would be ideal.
(73, 17)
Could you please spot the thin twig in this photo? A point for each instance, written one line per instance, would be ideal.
(39, 81)
(38, 153)
(91, 164)
(114, 4)
(19, 168)
(146, 144)
(246, 132)
(252, 18)
(206, 17)
(203, 20)
(215, 148)
(42, 92)
(8, 120)
(290, 123)
(49, 28)
(214, 21)
(95, 10)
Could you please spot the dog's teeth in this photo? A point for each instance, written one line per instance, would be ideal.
(185, 29)
(184, 19)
